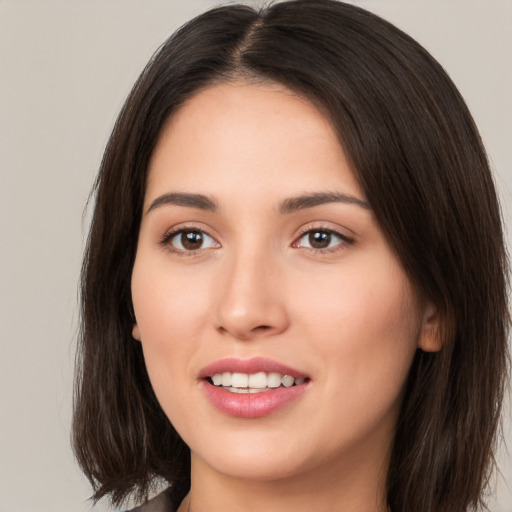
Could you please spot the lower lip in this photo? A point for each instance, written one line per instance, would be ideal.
(252, 405)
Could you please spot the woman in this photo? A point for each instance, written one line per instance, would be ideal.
(294, 291)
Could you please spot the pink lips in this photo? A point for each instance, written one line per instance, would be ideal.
(250, 405)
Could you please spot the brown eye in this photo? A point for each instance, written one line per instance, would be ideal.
(191, 240)
(322, 240)
(319, 239)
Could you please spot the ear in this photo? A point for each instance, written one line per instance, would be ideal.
(136, 332)
(430, 339)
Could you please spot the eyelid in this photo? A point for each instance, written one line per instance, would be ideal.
(345, 239)
(165, 240)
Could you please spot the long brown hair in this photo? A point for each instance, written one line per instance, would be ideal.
(418, 157)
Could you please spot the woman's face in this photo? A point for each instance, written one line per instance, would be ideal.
(258, 255)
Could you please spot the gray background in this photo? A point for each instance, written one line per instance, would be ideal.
(66, 67)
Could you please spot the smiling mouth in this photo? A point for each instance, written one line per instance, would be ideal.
(259, 382)
(252, 388)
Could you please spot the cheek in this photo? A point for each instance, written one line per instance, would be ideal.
(362, 301)
(366, 324)
(170, 314)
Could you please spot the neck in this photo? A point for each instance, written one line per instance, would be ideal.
(360, 487)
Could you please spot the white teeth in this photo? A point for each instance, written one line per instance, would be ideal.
(226, 379)
(274, 380)
(244, 383)
(258, 380)
(287, 381)
(246, 390)
(239, 380)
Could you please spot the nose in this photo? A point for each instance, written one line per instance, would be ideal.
(251, 300)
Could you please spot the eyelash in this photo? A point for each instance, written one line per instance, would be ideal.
(166, 240)
(344, 239)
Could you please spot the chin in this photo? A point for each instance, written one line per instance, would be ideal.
(257, 454)
(250, 465)
(261, 453)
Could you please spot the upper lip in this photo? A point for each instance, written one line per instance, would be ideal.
(249, 366)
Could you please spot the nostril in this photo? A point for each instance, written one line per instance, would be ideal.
(262, 328)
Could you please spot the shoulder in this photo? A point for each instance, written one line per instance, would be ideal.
(160, 503)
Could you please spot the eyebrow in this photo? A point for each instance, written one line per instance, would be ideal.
(198, 201)
(302, 202)
(290, 205)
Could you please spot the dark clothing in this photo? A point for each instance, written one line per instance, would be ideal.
(164, 502)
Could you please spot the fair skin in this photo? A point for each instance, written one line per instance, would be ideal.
(247, 273)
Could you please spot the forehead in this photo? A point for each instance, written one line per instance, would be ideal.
(248, 137)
